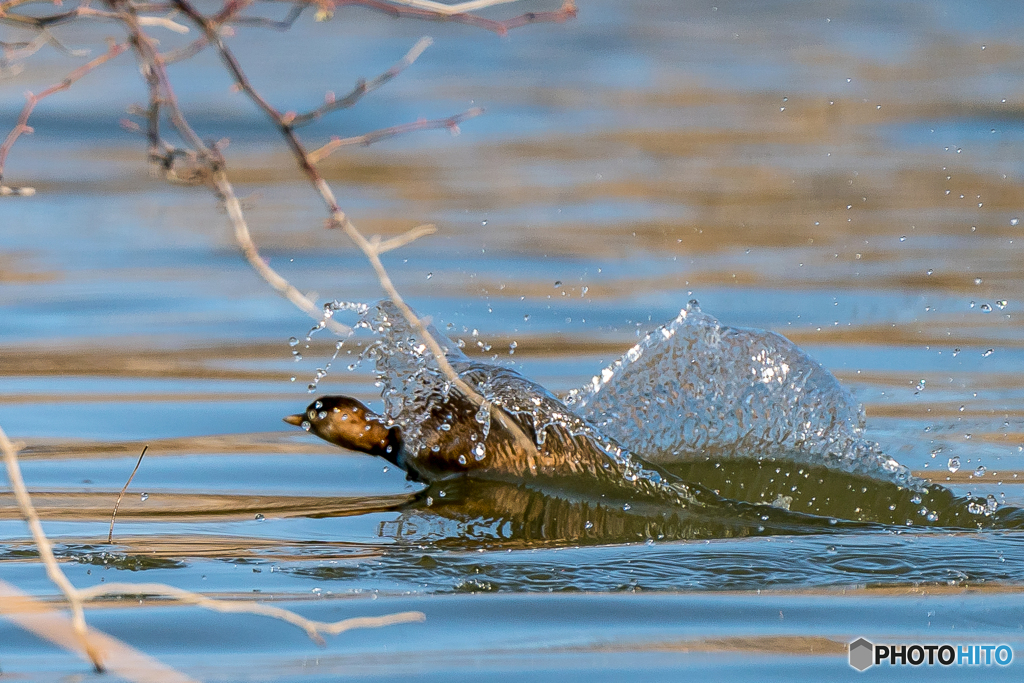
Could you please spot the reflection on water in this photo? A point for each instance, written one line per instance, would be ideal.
(848, 176)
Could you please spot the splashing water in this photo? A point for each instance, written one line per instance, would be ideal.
(696, 389)
(420, 399)
(738, 430)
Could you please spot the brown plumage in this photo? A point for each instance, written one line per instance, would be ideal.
(346, 422)
(453, 442)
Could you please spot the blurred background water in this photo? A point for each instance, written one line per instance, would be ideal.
(847, 174)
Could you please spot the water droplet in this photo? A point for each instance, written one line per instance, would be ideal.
(144, 497)
(978, 280)
(478, 452)
(929, 271)
(462, 460)
(386, 469)
(988, 353)
(627, 506)
(259, 517)
(512, 347)
(980, 472)
(831, 550)
(903, 238)
(991, 505)
(292, 341)
(558, 283)
(1014, 221)
(483, 222)
(1001, 304)
(430, 275)
(985, 308)
(306, 425)
(526, 316)
(954, 463)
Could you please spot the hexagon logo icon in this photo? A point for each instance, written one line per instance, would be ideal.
(861, 654)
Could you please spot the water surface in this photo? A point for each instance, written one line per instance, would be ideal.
(848, 176)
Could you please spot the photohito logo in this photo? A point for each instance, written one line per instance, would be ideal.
(864, 654)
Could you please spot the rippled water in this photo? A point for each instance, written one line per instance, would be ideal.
(846, 176)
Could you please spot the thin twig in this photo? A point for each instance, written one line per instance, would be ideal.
(500, 27)
(121, 660)
(363, 87)
(252, 255)
(110, 534)
(165, 22)
(451, 123)
(280, 24)
(447, 10)
(31, 102)
(405, 238)
(53, 570)
(314, 629)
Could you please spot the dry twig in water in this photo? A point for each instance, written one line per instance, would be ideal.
(113, 515)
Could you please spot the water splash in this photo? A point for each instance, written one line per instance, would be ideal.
(694, 389)
(420, 398)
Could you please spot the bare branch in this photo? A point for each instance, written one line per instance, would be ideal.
(31, 102)
(451, 123)
(395, 9)
(165, 22)
(185, 52)
(279, 24)
(314, 629)
(448, 10)
(403, 239)
(121, 659)
(53, 570)
(281, 285)
(337, 218)
(363, 87)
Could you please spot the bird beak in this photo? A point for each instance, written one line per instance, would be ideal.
(296, 420)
